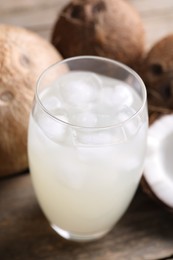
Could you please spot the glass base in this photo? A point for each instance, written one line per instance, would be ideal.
(78, 238)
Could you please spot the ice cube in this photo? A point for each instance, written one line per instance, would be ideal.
(93, 138)
(52, 128)
(124, 113)
(79, 88)
(52, 104)
(51, 101)
(89, 154)
(117, 95)
(122, 95)
(132, 125)
(98, 137)
(86, 119)
(106, 95)
(105, 114)
(105, 119)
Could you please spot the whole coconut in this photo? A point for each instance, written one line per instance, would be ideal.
(23, 56)
(108, 28)
(157, 73)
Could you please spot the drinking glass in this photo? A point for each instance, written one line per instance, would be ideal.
(87, 144)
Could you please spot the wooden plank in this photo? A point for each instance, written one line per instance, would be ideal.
(36, 16)
(158, 27)
(157, 17)
(152, 7)
(145, 7)
(40, 16)
(145, 232)
(10, 6)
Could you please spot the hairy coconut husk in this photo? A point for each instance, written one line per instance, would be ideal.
(157, 73)
(108, 28)
(23, 56)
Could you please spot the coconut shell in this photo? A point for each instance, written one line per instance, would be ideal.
(156, 181)
(157, 73)
(108, 28)
(148, 190)
(23, 56)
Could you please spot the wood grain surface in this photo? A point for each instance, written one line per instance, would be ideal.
(40, 15)
(145, 232)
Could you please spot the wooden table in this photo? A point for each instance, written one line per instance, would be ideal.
(40, 15)
(146, 230)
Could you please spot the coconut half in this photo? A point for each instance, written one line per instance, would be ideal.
(158, 170)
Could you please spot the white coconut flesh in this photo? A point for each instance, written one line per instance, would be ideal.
(158, 170)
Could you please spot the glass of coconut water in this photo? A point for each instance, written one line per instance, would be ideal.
(87, 143)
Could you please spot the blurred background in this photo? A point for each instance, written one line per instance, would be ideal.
(40, 15)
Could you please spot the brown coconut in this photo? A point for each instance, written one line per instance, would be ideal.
(157, 181)
(157, 73)
(23, 56)
(108, 28)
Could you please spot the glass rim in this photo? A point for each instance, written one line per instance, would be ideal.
(92, 57)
